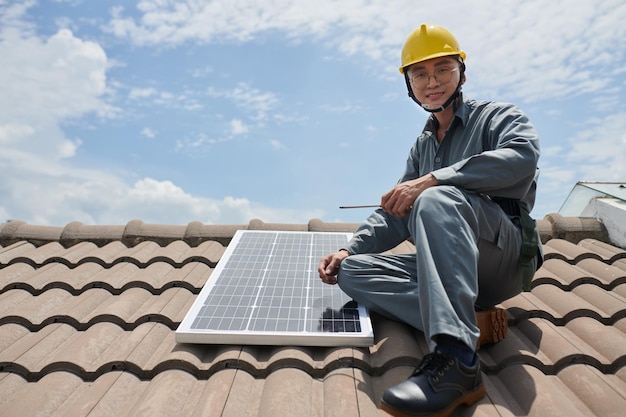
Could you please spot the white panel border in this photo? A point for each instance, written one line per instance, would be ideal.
(185, 334)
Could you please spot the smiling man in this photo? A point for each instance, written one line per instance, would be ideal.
(464, 198)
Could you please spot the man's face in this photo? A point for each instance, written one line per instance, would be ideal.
(435, 80)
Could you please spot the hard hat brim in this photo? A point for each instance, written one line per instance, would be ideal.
(460, 54)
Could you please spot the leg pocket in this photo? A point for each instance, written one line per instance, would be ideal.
(499, 271)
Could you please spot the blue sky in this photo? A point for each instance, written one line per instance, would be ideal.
(226, 111)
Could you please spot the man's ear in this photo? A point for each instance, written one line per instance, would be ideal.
(462, 68)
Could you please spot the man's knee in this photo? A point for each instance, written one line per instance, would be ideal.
(349, 270)
(439, 205)
(440, 196)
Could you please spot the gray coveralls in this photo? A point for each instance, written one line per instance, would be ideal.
(467, 247)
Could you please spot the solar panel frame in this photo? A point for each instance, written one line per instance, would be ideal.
(265, 290)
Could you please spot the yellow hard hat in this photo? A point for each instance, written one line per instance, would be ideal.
(427, 42)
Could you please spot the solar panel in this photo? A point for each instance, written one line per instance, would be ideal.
(265, 290)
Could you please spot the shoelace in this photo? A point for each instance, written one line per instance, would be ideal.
(434, 364)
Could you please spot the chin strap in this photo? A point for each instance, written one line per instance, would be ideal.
(449, 101)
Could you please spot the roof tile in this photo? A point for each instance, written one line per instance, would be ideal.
(604, 343)
(88, 313)
(601, 394)
(567, 251)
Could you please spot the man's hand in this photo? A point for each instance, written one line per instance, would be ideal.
(399, 200)
(329, 266)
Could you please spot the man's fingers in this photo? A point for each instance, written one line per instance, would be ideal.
(332, 267)
(330, 280)
(328, 267)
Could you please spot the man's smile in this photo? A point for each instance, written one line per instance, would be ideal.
(434, 96)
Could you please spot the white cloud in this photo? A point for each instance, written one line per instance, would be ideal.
(148, 133)
(11, 16)
(141, 93)
(344, 108)
(589, 156)
(33, 69)
(531, 50)
(12, 133)
(238, 127)
(47, 82)
(555, 53)
(202, 72)
(67, 148)
(151, 96)
(276, 144)
(93, 197)
(203, 142)
(601, 157)
(249, 98)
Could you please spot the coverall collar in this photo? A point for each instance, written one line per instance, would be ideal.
(462, 113)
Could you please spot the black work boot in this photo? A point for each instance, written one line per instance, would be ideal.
(437, 387)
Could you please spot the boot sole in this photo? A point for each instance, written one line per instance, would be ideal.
(493, 325)
(468, 399)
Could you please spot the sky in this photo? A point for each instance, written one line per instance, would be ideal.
(226, 111)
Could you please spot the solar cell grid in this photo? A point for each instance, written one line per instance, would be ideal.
(265, 289)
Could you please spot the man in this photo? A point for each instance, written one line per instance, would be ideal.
(464, 198)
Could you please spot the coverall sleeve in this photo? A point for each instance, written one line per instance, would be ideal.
(507, 168)
(378, 233)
